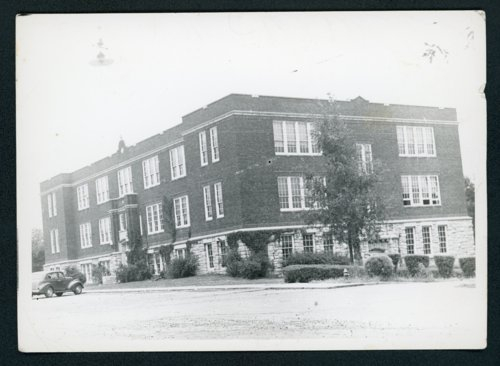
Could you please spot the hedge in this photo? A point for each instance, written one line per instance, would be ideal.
(255, 266)
(412, 263)
(444, 263)
(315, 258)
(310, 272)
(468, 266)
(380, 265)
(183, 267)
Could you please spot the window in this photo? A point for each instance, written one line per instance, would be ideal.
(181, 209)
(54, 241)
(102, 189)
(328, 243)
(86, 269)
(207, 198)
(210, 255)
(426, 239)
(83, 196)
(219, 204)
(420, 190)
(154, 217)
(442, 238)
(85, 235)
(294, 195)
(365, 163)
(295, 138)
(151, 172)
(125, 185)
(410, 240)
(308, 241)
(416, 141)
(215, 144)
(177, 162)
(123, 222)
(105, 230)
(51, 201)
(180, 253)
(286, 245)
(203, 148)
(223, 252)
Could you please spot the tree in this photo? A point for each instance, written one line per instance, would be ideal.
(37, 250)
(470, 200)
(348, 200)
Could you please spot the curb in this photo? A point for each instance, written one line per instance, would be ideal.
(234, 287)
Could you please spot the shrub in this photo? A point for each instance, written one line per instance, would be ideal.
(412, 261)
(310, 272)
(395, 260)
(98, 271)
(233, 263)
(183, 267)
(255, 266)
(468, 266)
(134, 272)
(444, 263)
(423, 272)
(74, 272)
(316, 258)
(380, 265)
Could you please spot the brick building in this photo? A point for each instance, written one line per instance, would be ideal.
(238, 164)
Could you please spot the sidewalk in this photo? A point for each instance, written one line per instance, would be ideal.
(262, 286)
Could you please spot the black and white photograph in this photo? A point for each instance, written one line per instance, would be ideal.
(251, 181)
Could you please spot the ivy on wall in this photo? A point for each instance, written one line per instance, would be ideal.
(168, 217)
(256, 241)
(166, 253)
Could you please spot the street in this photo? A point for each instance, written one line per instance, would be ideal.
(423, 312)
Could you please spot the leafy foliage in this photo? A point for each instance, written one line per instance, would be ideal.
(133, 272)
(349, 203)
(395, 260)
(380, 265)
(255, 266)
(37, 250)
(412, 263)
(470, 200)
(166, 253)
(310, 272)
(256, 241)
(444, 263)
(183, 267)
(468, 266)
(168, 217)
(74, 271)
(315, 258)
(98, 271)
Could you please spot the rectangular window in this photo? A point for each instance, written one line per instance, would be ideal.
(210, 255)
(51, 201)
(86, 269)
(154, 217)
(328, 243)
(365, 163)
(105, 230)
(181, 209)
(410, 240)
(207, 198)
(177, 162)
(426, 239)
(203, 148)
(54, 241)
(286, 245)
(151, 172)
(180, 253)
(296, 138)
(442, 238)
(214, 141)
(85, 235)
(219, 204)
(223, 252)
(308, 241)
(420, 190)
(83, 196)
(102, 189)
(125, 185)
(123, 222)
(416, 141)
(295, 194)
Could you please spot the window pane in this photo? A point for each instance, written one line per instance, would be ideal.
(290, 136)
(278, 137)
(303, 142)
(401, 140)
(283, 192)
(411, 142)
(426, 239)
(296, 196)
(410, 242)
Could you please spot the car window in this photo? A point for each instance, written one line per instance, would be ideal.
(51, 276)
(60, 275)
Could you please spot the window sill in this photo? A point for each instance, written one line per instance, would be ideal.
(156, 232)
(107, 243)
(151, 186)
(412, 206)
(297, 154)
(417, 156)
(182, 176)
(100, 203)
(182, 227)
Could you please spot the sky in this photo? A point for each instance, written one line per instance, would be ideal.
(72, 111)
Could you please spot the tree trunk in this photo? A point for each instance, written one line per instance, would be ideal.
(350, 244)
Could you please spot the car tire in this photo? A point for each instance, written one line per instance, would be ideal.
(77, 290)
(59, 294)
(49, 292)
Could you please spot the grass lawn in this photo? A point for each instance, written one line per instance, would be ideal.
(200, 280)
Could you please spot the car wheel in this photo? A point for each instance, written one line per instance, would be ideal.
(49, 292)
(59, 293)
(77, 290)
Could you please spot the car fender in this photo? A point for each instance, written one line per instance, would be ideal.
(43, 286)
(74, 283)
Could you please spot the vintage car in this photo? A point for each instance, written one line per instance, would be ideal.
(57, 283)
